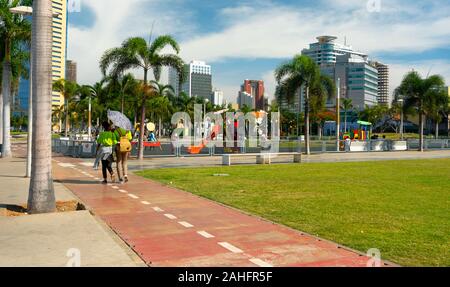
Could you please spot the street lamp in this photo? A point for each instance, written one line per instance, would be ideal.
(401, 118)
(28, 11)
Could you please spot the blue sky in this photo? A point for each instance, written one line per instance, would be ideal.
(248, 39)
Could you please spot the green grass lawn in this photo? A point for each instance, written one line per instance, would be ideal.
(399, 207)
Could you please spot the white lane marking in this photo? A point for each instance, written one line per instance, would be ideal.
(157, 209)
(170, 216)
(123, 191)
(230, 247)
(145, 202)
(260, 262)
(66, 164)
(205, 234)
(133, 196)
(115, 187)
(186, 224)
(98, 178)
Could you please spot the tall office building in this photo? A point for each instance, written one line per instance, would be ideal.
(71, 71)
(326, 50)
(245, 99)
(384, 97)
(255, 88)
(58, 57)
(358, 78)
(198, 82)
(59, 46)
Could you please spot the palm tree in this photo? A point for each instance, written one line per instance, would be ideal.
(347, 105)
(15, 30)
(136, 53)
(416, 91)
(162, 104)
(41, 197)
(301, 71)
(436, 106)
(68, 90)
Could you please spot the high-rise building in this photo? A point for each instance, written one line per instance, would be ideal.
(325, 50)
(71, 71)
(384, 97)
(59, 46)
(58, 56)
(358, 78)
(198, 82)
(217, 97)
(255, 88)
(245, 99)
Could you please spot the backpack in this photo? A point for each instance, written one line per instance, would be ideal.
(125, 145)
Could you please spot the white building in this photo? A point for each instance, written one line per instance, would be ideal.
(198, 82)
(217, 97)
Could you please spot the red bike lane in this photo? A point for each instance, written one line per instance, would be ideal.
(172, 228)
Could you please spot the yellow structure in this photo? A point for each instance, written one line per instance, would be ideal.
(59, 47)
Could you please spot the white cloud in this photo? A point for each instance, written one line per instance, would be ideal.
(271, 31)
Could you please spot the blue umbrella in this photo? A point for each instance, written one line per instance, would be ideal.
(120, 120)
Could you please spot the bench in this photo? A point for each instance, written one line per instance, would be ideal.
(261, 158)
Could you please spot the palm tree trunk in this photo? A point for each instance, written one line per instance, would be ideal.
(159, 128)
(1, 115)
(421, 123)
(122, 103)
(345, 121)
(6, 85)
(41, 197)
(307, 143)
(142, 127)
(66, 115)
(437, 129)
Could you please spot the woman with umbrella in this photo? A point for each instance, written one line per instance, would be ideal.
(106, 142)
(123, 137)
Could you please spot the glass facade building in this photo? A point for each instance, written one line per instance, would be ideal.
(198, 81)
(59, 46)
(358, 78)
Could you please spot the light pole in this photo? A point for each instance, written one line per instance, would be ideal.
(28, 11)
(401, 118)
(338, 112)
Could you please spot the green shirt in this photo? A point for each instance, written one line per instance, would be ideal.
(122, 133)
(107, 139)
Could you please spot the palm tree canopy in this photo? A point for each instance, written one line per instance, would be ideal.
(136, 53)
(67, 88)
(300, 70)
(14, 27)
(415, 90)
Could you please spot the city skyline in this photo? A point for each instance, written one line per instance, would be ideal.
(251, 47)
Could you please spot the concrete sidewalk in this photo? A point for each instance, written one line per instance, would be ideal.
(45, 240)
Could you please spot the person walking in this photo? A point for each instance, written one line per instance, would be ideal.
(105, 143)
(123, 148)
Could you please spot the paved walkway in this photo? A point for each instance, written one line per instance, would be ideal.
(53, 240)
(169, 227)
